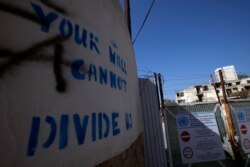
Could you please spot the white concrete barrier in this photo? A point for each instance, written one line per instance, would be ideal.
(68, 83)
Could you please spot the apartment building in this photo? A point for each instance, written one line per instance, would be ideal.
(235, 88)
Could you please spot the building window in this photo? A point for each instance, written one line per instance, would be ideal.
(238, 83)
(181, 94)
(205, 88)
(247, 88)
(181, 101)
(248, 81)
(229, 84)
(229, 91)
(235, 89)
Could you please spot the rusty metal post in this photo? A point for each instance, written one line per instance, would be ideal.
(230, 130)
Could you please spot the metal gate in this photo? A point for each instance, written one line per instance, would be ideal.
(173, 145)
(154, 145)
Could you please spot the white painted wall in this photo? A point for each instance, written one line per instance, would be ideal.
(95, 113)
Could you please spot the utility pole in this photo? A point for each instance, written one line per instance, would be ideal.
(230, 130)
(161, 92)
(158, 83)
(157, 89)
(127, 15)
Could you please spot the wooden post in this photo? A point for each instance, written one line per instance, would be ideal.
(231, 133)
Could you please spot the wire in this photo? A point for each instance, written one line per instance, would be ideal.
(144, 21)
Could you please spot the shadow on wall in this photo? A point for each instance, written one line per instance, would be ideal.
(133, 156)
(33, 53)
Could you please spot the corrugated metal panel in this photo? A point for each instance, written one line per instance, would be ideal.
(200, 107)
(240, 104)
(154, 145)
(220, 122)
(170, 124)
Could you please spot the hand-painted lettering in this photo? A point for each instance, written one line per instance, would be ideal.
(50, 120)
(64, 132)
(45, 20)
(83, 39)
(106, 119)
(128, 120)
(92, 72)
(76, 69)
(95, 73)
(34, 134)
(93, 42)
(103, 77)
(80, 129)
(67, 29)
(101, 125)
(116, 60)
(112, 80)
(116, 129)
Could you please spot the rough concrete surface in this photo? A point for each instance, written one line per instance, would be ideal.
(132, 157)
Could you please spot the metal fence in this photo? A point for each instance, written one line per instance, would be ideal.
(173, 145)
(154, 145)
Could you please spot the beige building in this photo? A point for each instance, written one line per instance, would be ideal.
(235, 88)
(197, 93)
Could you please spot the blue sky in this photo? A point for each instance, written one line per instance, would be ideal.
(186, 40)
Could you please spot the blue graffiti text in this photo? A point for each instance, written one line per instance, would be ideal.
(95, 126)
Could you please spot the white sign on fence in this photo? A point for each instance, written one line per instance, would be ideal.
(199, 137)
(243, 120)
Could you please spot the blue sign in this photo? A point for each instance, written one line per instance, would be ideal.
(183, 121)
(241, 115)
